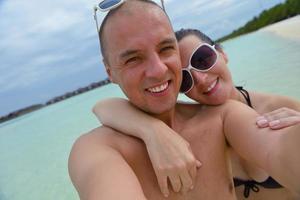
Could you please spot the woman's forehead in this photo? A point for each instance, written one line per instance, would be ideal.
(189, 42)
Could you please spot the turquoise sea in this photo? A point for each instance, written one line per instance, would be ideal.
(34, 148)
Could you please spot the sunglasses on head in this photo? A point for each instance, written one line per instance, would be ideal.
(107, 5)
(202, 59)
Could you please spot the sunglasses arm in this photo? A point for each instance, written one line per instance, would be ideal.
(97, 26)
(163, 4)
(95, 18)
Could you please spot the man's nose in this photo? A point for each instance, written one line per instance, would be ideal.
(199, 77)
(156, 68)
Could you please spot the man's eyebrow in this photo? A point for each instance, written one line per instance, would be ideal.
(167, 41)
(128, 53)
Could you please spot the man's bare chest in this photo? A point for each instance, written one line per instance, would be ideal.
(214, 180)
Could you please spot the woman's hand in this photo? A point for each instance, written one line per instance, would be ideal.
(280, 118)
(172, 159)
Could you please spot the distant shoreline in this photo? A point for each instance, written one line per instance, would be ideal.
(289, 28)
(29, 109)
(277, 13)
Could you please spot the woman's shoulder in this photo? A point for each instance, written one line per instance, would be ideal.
(266, 102)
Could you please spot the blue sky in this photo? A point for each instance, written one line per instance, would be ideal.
(49, 47)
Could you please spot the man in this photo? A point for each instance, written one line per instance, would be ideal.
(141, 56)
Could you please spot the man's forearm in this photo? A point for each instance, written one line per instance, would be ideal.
(121, 115)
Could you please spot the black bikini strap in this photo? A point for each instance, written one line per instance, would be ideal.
(248, 186)
(245, 94)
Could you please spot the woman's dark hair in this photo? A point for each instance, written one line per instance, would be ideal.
(182, 33)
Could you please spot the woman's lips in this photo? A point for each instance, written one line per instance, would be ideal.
(212, 88)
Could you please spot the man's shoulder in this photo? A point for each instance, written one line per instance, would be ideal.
(101, 136)
(97, 140)
(92, 154)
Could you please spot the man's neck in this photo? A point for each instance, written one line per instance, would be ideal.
(167, 117)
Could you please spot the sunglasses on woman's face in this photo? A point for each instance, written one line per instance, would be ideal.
(202, 59)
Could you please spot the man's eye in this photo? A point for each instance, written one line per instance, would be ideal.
(167, 48)
(131, 60)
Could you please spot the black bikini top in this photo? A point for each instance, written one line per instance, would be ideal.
(270, 183)
(245, 94)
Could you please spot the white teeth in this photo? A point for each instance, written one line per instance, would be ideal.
(159, 88)
(212, 86)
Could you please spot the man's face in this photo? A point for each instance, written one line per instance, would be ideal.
(144, 59)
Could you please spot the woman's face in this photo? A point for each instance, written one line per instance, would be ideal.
(213, 87)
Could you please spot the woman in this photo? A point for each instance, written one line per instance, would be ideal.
(169, 153)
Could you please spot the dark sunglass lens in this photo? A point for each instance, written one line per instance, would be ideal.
(187, 81)
(203, 58)
(108, 3)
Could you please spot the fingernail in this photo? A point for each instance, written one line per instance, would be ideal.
(192, 187)
(166, 195)
(262, 122)
(274, 123)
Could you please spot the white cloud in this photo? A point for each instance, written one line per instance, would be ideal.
(40, 34)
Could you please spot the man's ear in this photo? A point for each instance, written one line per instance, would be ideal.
(108, 71)
(224, 55)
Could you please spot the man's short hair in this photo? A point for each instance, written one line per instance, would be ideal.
(109, 15)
